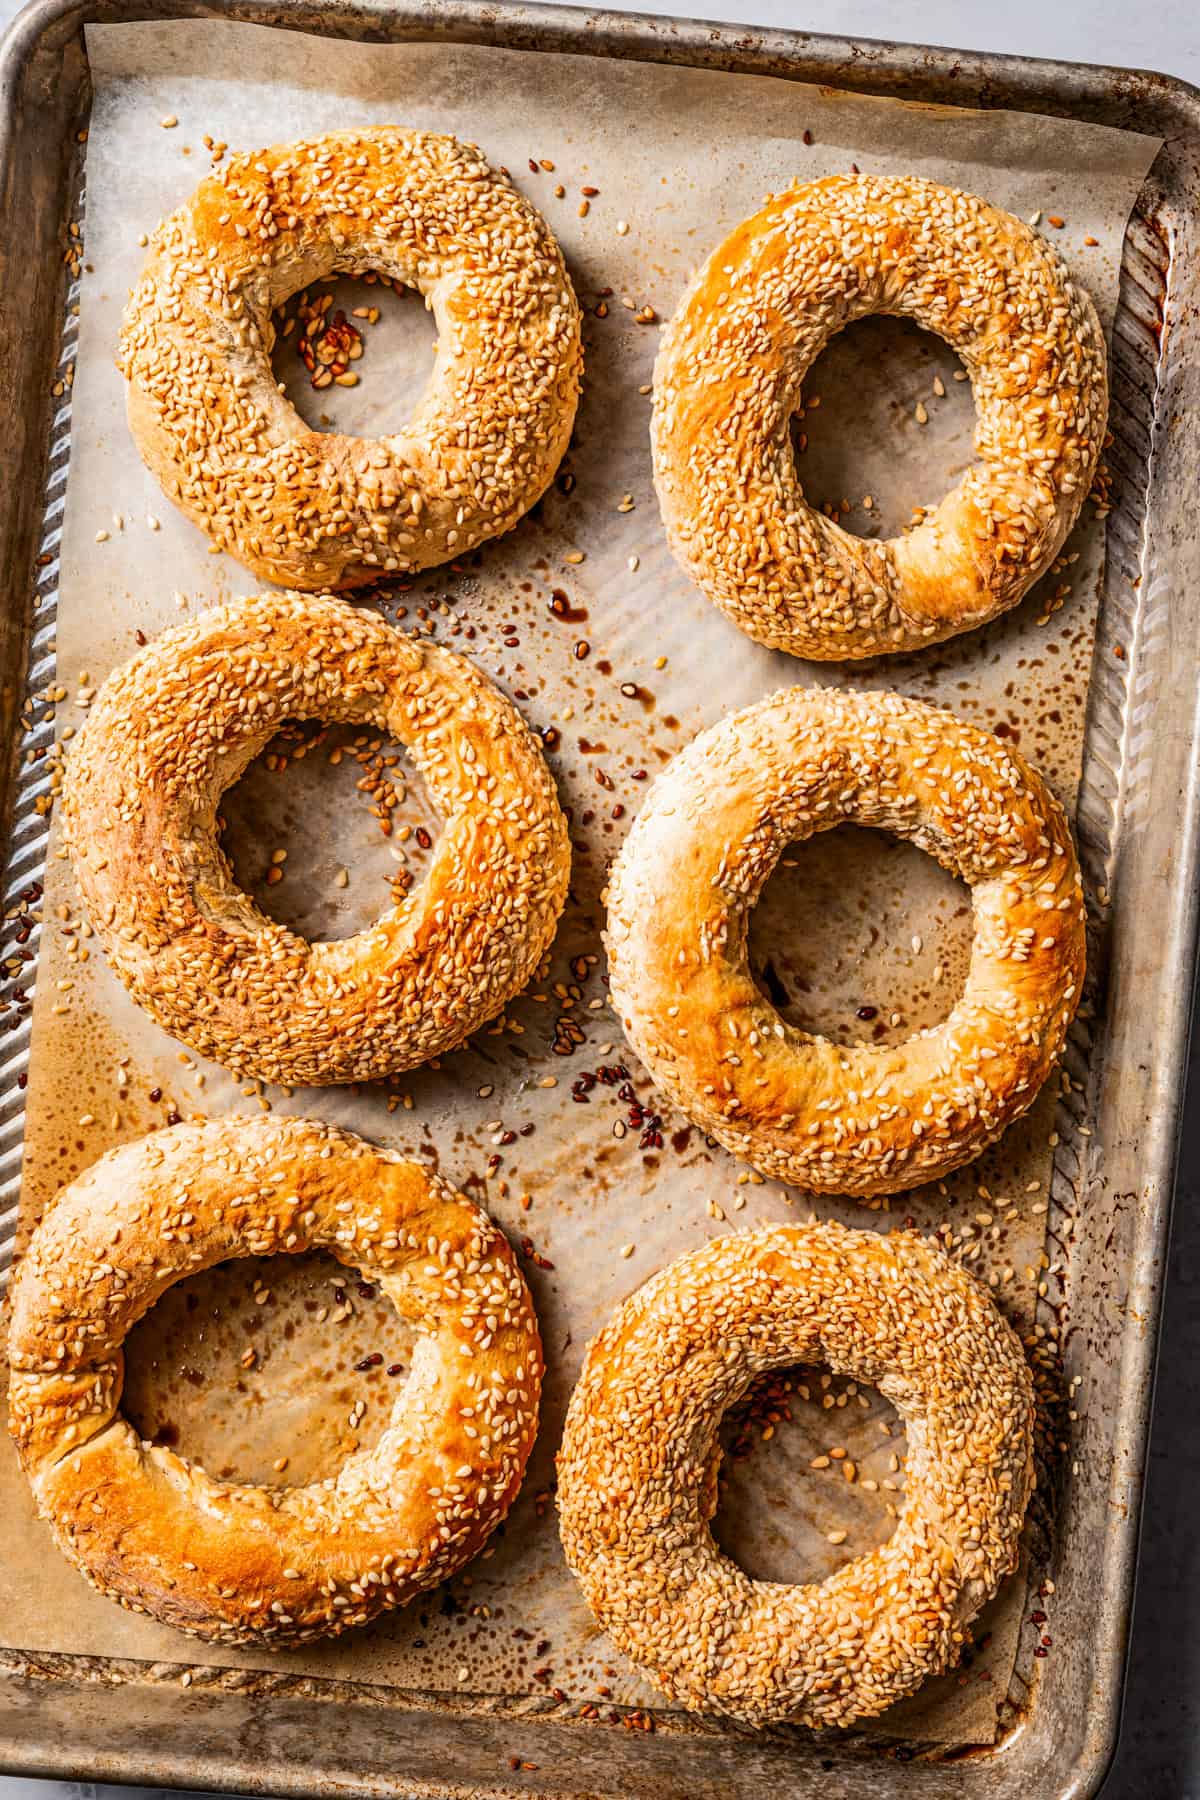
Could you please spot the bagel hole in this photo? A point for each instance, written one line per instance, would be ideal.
(857, 435)
(861, 938)
(303, 842)
(191, 1384)
(389, 357)
(777, 1515)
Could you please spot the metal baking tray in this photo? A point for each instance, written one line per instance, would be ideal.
(1138, 822)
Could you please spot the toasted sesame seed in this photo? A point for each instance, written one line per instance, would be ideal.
(822, 1116)
(750, 327)
(426, 203)
(151, 1212)
(263, 1001)
(644, 1418)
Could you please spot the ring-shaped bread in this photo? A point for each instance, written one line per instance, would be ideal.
(637, 1472)
(833, 1118)
(728, 381)
(311, 509)
(235, 1562)
(176, 726)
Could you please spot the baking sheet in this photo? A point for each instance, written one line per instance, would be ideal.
(853, 927)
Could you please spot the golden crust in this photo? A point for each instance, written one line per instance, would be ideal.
(236, 1563)
(637, 1480)
(175, 727)
(834, 1119)
(314, 510)
(729, 377)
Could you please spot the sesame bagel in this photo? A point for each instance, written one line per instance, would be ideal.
(241, 1563)
(637, 1473)
(311, 509)
(175, 727)
(728, 381)
(868, 1119)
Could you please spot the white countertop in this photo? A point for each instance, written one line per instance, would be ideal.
(1165, 36)
(1159, 1756)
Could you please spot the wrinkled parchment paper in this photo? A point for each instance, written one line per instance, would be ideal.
(856, 936)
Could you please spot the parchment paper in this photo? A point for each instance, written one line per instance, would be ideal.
(856, 936)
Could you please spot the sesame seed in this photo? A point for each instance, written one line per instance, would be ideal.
(264, 1002)
(427, 203)
(823, 1117)
(644, 1417)
(751, 327)
(140, 1218)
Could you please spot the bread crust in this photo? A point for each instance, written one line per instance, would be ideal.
(176, 726)
(316, 510)
(868, 1119)
(728, 380)
(637, 1480)
(248, 1564)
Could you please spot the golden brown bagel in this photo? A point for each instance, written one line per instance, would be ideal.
(637, 1473)
(729, 376)
(238, 1563)
(310, 509)
(874, 1118)
(175, 727)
